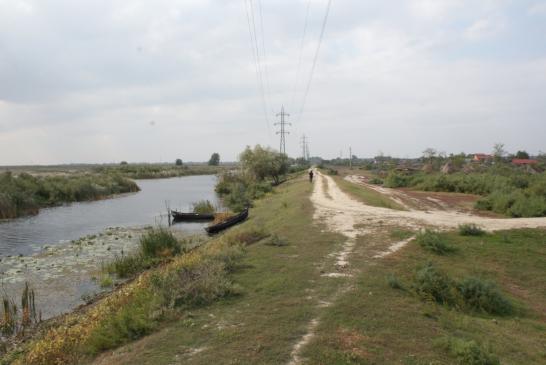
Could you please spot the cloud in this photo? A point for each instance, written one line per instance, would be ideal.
(81, 81)
(483, 29)
(537, 9)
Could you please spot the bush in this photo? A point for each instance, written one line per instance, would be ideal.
(159, 242)
(432, 284)
(484, 296)
(203, 207)
(470, 230)
(248, 236)
(468, 352)
(394, 283)
(394, 180)
(434, 242)
(376, 181)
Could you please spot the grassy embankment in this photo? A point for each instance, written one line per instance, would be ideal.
(25, 194)
(404, 310)
(278, 285)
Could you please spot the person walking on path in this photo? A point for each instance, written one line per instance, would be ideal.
(311, 174)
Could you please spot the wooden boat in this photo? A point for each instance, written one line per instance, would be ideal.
(228, 223)
(188, 217)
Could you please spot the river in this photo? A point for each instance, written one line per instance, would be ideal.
(51, 226)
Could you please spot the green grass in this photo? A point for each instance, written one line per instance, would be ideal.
(470, 230)
(260, 325)
(434, 242)
(366, 195)
(374, 323)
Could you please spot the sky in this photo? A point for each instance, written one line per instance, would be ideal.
(110, 80)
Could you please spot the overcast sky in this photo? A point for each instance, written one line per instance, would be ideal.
(112, 80)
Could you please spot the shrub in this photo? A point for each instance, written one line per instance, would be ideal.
(106, 281)
(159, 242)
(203, 207)
(394, 283)
(432, 284)
(376, 181)
(434, 242)
(470, 230)
(394, 180)
(467, 352)
(484, 296)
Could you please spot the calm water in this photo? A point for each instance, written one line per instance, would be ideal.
(54, 225)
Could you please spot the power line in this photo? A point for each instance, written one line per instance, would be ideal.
(324, 22)
(266, 68)
(300, 57)
(256, 57)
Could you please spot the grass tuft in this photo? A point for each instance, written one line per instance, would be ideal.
(467, 352)
(470, 230)
(434, 242)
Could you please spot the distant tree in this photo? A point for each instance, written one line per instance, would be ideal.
(498, 151)
(123, 163)
(264, 163)
(178, 162)
(429, 153)
(214, 159)
(522, 155)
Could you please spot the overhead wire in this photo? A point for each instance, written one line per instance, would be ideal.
(264, 53)
(300, 56)
(249, 8)
(315, 59)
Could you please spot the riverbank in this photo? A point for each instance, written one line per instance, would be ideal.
(330, 285)
(24, 194)
(66, 275)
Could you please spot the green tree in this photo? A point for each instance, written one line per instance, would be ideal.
(262, 163)
(522, 155)
(178, 162)
(214, 159)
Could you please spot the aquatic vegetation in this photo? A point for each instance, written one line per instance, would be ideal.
(204, 207)
(14, 321)
(26, 194)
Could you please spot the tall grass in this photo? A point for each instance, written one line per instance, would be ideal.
(203, 207)
(433, 241)
(26, 194)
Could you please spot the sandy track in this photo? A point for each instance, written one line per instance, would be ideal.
(441, 219)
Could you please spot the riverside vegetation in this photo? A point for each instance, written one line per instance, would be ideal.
(25, 194)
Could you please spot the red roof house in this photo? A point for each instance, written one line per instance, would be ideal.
(524, 161)
(482, 157)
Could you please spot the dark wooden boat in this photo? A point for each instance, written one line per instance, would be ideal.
(188, 217)
(228, 223)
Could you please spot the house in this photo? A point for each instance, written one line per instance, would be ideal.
(524, 161)
(482, 157)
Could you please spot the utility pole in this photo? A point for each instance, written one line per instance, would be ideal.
(350, 158)
(283, 132)
(307, 150)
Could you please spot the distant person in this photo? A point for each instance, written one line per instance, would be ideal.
(311, 174)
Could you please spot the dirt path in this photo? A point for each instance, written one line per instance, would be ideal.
(442, 219)
(342, 214)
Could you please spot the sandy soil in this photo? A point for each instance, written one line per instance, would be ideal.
(442, 219)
